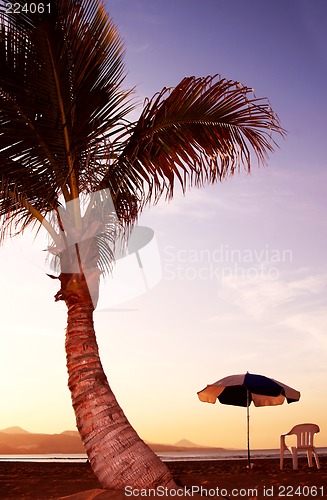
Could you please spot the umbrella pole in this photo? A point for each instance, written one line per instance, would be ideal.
(248, 425)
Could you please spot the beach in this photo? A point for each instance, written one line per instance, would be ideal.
(212, 478)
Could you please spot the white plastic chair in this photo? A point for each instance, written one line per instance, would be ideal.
(304, 434)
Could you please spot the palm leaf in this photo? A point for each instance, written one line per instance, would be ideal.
(63, 130)
(200, 131)
(60, 99)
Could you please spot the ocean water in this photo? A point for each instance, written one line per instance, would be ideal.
(166, 456)
(216, 455)
(59, 457)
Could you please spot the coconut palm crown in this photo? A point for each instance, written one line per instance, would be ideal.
(64, 133)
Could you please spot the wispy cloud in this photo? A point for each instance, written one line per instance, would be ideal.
(138, 48)
(313, 323)
(260, 296)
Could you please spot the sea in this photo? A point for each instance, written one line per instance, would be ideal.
(166, 456)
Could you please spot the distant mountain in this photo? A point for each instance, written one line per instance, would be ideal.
(15, 440)
(14, 430)
(185, 443)
(70, 433)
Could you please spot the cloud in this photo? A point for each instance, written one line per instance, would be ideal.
(262, 296)
(138, 48)
(313, 324)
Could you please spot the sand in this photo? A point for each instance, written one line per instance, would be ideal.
(218, 479)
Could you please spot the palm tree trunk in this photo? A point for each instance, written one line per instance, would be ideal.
(117, 455)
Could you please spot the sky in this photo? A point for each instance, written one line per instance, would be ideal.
(240, 266)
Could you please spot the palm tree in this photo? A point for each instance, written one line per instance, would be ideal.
(64, 134)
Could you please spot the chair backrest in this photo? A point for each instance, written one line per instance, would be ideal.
(304, 434)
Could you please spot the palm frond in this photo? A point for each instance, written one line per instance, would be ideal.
(91, 243)
(198, 132)
(63, 127)
(60, 98)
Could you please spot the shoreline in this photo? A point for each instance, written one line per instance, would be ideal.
(48, 481)
(185, 456)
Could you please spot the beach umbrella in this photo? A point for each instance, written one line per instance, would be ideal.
(242, 390)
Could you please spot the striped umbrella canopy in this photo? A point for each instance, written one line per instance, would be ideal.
(242, 390)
